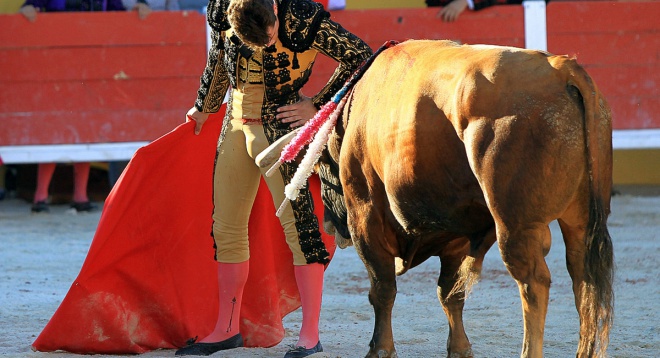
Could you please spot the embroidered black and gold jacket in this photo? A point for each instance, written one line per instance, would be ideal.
(305, 30)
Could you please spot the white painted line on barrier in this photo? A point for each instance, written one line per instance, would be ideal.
(63, 153)
(636, 139)
(624, 139)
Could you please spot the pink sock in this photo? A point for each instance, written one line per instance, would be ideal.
(231, 281)
(310, 285)
(44, 175)
(80, 178)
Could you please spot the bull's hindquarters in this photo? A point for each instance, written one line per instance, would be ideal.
(534, 135)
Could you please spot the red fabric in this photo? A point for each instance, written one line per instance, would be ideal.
(149, 279)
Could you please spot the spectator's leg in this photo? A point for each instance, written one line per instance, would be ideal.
(44, 175)
(81, 176)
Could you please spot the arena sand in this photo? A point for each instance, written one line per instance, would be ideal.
(41, 255)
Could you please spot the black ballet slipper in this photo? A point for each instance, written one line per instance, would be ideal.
(299, 352)
(206, 349)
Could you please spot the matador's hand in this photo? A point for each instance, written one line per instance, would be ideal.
(298, 113)
(199, 118)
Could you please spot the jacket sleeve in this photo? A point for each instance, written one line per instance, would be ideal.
(476, 4)
(344, 47)
(39, 4)
(214, 81)
(481, 4)
(115, 5)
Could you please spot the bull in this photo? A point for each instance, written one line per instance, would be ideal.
(444, 149)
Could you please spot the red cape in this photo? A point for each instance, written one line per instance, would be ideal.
(149, 279)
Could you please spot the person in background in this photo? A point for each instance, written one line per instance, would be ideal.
(32, 7)
(197, 5)
(80, 177)
(45, 171)
(263, 52)
(144, 7)
(451, 9)
(332, 4)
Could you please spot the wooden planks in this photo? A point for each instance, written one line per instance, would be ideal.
(619, 45)
(115, 28)
(500, 25)
(73, 78)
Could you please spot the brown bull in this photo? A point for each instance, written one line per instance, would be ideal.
(444, 149)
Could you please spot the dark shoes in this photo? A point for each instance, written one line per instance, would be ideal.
(297, 352)
(83, 207)
(206, 349)
(40, 207)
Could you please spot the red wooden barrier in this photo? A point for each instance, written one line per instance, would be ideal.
(110, 77)
(97, 77)
(500, 25)
(619, 45)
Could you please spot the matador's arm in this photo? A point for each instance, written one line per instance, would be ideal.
(344, 47)
(214, 81)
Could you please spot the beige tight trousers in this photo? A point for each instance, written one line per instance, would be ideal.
(236, 181)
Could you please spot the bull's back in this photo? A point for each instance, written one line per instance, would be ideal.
(464, 82)
(399, 130)
(426, 110)
(518, 112)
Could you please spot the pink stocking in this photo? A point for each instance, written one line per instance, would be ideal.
(231, 281)
(44, 175)
(80, 178)
(310, 285)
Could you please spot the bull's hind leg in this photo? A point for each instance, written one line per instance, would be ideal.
(451, 258)
(523, 249)
(525, 188)
(461, 262)
(375, 243)
(575, 254)
(591, 274)
(380, 267)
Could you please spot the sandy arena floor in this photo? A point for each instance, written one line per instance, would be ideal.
(42, 254)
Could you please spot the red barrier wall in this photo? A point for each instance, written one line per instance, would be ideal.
(110, 77)
(72, 78)
(500, 25)
(619, 45)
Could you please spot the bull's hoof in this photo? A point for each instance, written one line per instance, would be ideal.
(382, 354)
(464, 354)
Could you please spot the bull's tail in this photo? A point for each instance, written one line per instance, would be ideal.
(597, 295)
(467, 276)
